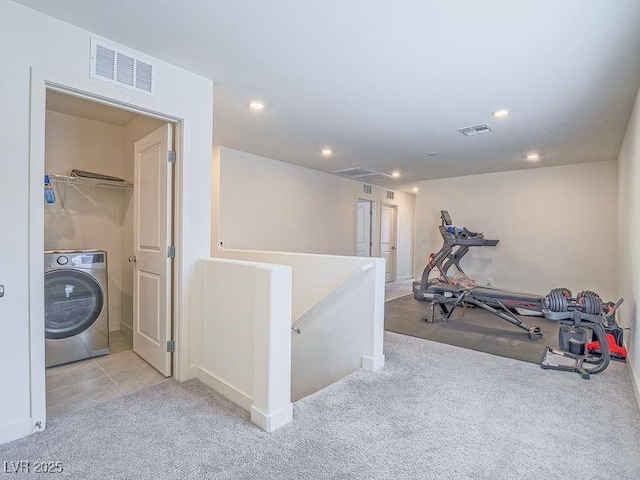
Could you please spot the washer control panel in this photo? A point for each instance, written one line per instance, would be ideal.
(96, 259)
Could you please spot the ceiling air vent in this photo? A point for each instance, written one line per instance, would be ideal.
(360, 172)
(475, 129)
(115, 65)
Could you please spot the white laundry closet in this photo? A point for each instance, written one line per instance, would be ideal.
(88, 136)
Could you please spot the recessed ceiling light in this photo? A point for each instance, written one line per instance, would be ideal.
(327, 152)
(414, 189)
(532, 157)
(395, 174)
(503, 112)
(256, 105)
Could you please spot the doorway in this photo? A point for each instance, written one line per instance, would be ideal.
(388, 240)
(106, 166)
(365, 228)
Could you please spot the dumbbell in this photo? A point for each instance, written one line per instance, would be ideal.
(559, 300)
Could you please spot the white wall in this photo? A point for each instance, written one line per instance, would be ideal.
(36, 49)
(266, 204)
(241, 340)
(628, 234)
(338, 306)
(92, 217)
(556, 226)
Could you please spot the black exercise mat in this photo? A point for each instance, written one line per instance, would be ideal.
(471, 328)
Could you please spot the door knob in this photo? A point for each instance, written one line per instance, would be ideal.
(132, 259)
(1, 290)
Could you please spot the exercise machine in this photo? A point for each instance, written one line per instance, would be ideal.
(457, 242)
(448, 292)
(589, 335)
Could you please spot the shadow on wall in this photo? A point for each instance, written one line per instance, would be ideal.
(332, 341)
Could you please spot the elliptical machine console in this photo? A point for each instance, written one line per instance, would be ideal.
(457, 242)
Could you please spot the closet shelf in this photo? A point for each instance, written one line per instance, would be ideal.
(62, 181)
(90, 182)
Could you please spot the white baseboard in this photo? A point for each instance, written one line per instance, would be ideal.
(15, 430)
(114, 326)
(126, 330)
(269, 423)
(634, 382)
(372, 364)
(406, 277)
(223, 388)
(193, 372)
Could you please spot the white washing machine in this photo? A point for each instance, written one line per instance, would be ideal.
(76, 312)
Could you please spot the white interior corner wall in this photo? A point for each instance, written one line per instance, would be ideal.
(87, 217)
(242, 340)
(628, 233)
(38, 51)
(556, 226)
(267, 204)
(241, 337)
(337, 312)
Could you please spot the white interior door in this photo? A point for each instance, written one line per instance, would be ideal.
(388, 241)
(363, 236)
(152, 238)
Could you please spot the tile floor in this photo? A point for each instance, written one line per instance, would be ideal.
(87, 383)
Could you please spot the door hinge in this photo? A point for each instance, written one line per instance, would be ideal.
(171, 157)
(171, 346)
(171, 251)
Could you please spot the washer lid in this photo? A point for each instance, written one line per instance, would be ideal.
(73, 301)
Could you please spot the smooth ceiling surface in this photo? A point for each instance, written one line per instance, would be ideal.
(386, 82)
(78, 107)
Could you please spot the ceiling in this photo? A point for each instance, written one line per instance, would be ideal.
(79, 107)
(384, 83)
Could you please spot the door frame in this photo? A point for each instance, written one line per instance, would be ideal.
(394, 272)
(374, 225)
(41, 82)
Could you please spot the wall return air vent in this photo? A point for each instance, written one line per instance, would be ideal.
(475, 129)
(115, 65)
